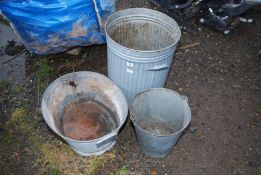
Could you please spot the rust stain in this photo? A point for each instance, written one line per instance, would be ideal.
(54, 38)
(84, 121)
(41, 48)
(153, 172)
(78, 29)
(72, 83)
(53, 41)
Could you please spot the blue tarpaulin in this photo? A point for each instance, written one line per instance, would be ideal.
(51, 26)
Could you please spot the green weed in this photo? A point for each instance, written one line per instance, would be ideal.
(54, 171)
(4, 83)
(18, 89)
(43, 71)
(122, 171)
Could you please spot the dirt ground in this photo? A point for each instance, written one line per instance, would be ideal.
(221, 77)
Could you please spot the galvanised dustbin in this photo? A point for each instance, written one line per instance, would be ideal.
(140, 47)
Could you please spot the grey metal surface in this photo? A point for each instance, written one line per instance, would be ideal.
(159, 116)
(91, 86)
(140, 47)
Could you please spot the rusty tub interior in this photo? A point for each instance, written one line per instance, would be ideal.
(86, 109)
(87, 120)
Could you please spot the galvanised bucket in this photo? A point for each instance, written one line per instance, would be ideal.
(159, 116)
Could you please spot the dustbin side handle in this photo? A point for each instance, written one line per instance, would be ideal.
(158, 67)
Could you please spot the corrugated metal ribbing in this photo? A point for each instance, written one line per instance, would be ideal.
(136, 78)
(141, 44)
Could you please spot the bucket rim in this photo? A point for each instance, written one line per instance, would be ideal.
(144, 51)
(55, 83)
(182, 97)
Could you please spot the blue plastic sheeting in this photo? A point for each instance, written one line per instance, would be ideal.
(51, 26)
